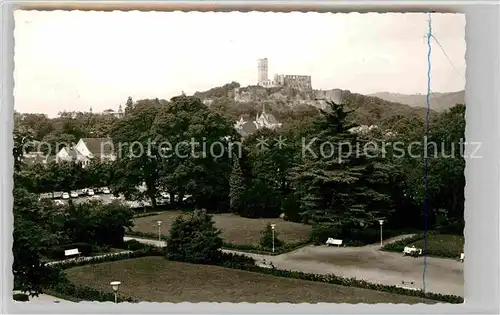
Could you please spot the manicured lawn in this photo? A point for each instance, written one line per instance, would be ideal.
(442, 245)
(235, 229)
(156, 279)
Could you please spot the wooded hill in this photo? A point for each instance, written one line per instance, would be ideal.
(438, 101)
(289, 105)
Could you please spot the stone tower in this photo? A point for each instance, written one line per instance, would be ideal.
(262, 71)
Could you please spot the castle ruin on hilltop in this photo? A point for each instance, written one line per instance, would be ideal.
(299, 82)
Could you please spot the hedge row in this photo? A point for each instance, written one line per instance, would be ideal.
(256, 249)
(57, 252)
(147, 235)
(147, 214)
(241, 262)
(147, 250)
(133, 245)
(20, 297)
(79, 292)
(352, 282)
(76, 293)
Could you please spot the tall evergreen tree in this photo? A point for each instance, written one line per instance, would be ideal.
(236, 186)
(339, 179)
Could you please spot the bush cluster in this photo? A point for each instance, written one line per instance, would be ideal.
(20, 297)
(133, 245)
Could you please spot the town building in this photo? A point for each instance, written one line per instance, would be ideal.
(86, 150)
(262, 120)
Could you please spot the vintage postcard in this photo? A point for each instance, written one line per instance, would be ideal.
(239, 157)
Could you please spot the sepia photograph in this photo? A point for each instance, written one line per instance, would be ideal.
(297, 157)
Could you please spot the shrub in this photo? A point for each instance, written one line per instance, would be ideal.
(133, 245)
(194, 239)
(269, 238)
(454, 228)
(235, 261)
(21, 297)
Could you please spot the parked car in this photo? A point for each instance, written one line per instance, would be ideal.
(106, 190)
(57, 194)
(95, 197)
(65, 195)
(113, 197)
(161, 201)
(90, 192)
(165, 195)
(73, 194)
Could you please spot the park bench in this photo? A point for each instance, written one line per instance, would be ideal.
(462, 257)
(411, 250)
(72, 252)
(332, 241)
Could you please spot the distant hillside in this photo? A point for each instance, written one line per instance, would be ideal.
(439, 101)
(289, 105)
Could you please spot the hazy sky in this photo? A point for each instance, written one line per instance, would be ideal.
(74, 60)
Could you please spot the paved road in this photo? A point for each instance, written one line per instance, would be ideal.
(368, 263)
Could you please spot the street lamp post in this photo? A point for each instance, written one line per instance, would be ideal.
(272, 228)
(381, 239)
(159, 232)
(115, 285)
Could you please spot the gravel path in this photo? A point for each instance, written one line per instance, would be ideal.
(368, 263)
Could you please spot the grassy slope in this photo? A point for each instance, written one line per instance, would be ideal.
(442, 245)
(235, 229)
(156, 279)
